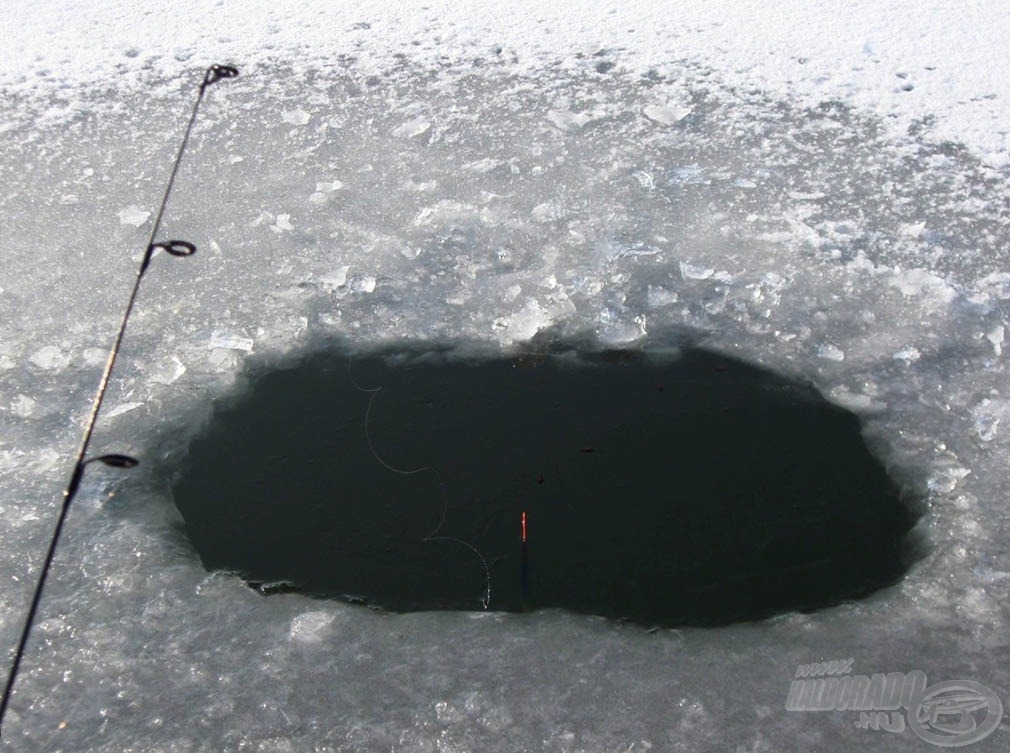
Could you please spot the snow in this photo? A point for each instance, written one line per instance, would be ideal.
(821, 191)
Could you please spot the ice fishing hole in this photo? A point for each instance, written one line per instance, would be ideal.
(694, 489)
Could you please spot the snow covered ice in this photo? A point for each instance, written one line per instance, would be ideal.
(449, 175)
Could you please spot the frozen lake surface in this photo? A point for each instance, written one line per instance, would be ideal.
(479, 192)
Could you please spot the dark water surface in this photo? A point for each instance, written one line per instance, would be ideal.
(688, 490)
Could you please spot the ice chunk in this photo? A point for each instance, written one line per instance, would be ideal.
(133, 216)
(912, 230)
(988, 414)
(645, 180)
(122, 408)
(830, 352)
(50, 358)
(23, 406)
(922, 282)
(168, 372)
(328, 186)
(908, 354)
(996, 285)
(617, 328)
(524, 323)
(695, 271)
(858, 402)
(568, 121)
(659, 296)
(230, 341)
(995, 336)
(296, 117)
(946, 479)
(311, 627)
(335, 279)
(485, 165)
(671, 114)
(549, 211)
(418, 129)
(282, 223)
(364, 284)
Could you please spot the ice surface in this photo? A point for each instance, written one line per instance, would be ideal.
(811, 204)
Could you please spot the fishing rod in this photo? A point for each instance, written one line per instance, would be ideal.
(175, 248)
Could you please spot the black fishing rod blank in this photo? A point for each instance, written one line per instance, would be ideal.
(174, 248)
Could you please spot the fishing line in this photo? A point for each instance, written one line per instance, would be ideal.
(174, 248)
(486, 598)
(368, 438)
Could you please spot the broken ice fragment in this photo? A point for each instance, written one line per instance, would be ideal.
(122, 408)
(133, 216)
(669, 115)
(946, 480)
(695, 272)
(310, 627)
(168, 372)
(830, 352)
(549, 211)
(413, 129)
(49, 358)
(995, 336)
(659, 296)
(296, 117)
(230, 341)
(908, 354)
(335, 279)
(283, 223)
(568, 121)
